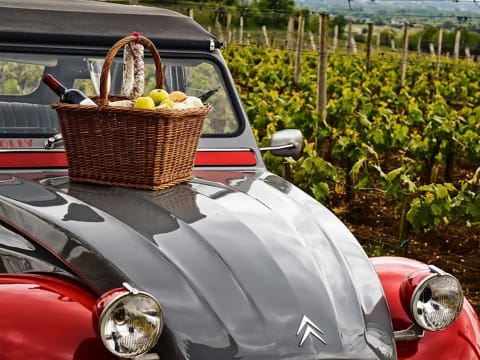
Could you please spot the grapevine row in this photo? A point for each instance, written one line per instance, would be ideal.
(418, 143)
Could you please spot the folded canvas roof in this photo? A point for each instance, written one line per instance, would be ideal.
(97, 23)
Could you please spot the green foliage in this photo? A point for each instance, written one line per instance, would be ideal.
(432, 206)
(378, 134)
(429, 34)
(21, 79)
(467, 201)
(314, 174)
(375, 248)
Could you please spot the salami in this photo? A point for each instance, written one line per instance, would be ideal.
(138, 69)
(127, 85)
(133, 70)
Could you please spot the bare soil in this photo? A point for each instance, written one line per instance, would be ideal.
(453, 248)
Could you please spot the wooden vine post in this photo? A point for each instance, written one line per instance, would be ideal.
(218, 27)
(439, 50)
(369, 47)
(404, 54)
(468, 55)
(456, 49)
(290, 29)
(265, 35)
(298, 63)
(419, 45)
(312, 41)
(335, 38)
(229, 28)
(240, 33)
(404, 226)
(349, 38)
(451, 155)
(322, 73)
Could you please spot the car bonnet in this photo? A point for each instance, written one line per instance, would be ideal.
(245, 265)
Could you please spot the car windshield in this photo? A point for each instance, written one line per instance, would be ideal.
(25, 103)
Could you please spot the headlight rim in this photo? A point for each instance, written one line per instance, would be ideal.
(105, 307)
(418, 290)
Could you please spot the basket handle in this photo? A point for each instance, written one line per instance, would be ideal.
(111, 55)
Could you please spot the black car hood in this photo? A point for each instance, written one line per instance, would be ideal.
(245, 265)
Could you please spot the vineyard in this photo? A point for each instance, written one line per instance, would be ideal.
(398, 161)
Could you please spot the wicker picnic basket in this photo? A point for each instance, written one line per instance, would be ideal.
(119, 146)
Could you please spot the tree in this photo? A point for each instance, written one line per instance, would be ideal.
(339, 21)
(277, 5)
(274, 13)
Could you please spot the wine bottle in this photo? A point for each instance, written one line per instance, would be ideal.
(71, 96)
(208, 94)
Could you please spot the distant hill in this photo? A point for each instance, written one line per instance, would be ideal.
(431, 11)
(394, 8)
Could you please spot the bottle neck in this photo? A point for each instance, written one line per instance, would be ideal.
(53, 84)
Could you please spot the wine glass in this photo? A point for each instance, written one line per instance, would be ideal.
(95, 70)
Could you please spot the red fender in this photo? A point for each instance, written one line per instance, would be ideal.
(43, 317)
(461, 340)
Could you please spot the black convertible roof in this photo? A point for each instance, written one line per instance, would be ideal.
(96, 24)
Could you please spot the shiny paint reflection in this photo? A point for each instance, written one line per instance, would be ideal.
(232, 256)
(459, 341)
(46, 318)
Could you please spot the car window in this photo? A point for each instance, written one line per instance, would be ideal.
(199, 78)
(25, 101)
(19, 78)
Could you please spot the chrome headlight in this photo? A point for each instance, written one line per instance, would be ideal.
(129, 321)
(436, 298)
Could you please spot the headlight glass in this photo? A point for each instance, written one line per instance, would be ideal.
(437, 301)
(130, 324)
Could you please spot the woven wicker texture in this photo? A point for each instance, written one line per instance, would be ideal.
(145, 149)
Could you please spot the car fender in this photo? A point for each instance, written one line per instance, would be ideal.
(461, 340)
(45, 317)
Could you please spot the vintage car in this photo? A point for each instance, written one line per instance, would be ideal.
(235, 263)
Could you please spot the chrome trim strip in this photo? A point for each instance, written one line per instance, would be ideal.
(225, 150)
(41, 148)
(414, 332)
(35, 150)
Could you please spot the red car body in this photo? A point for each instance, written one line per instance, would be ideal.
(459, 341)
(38, 312)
